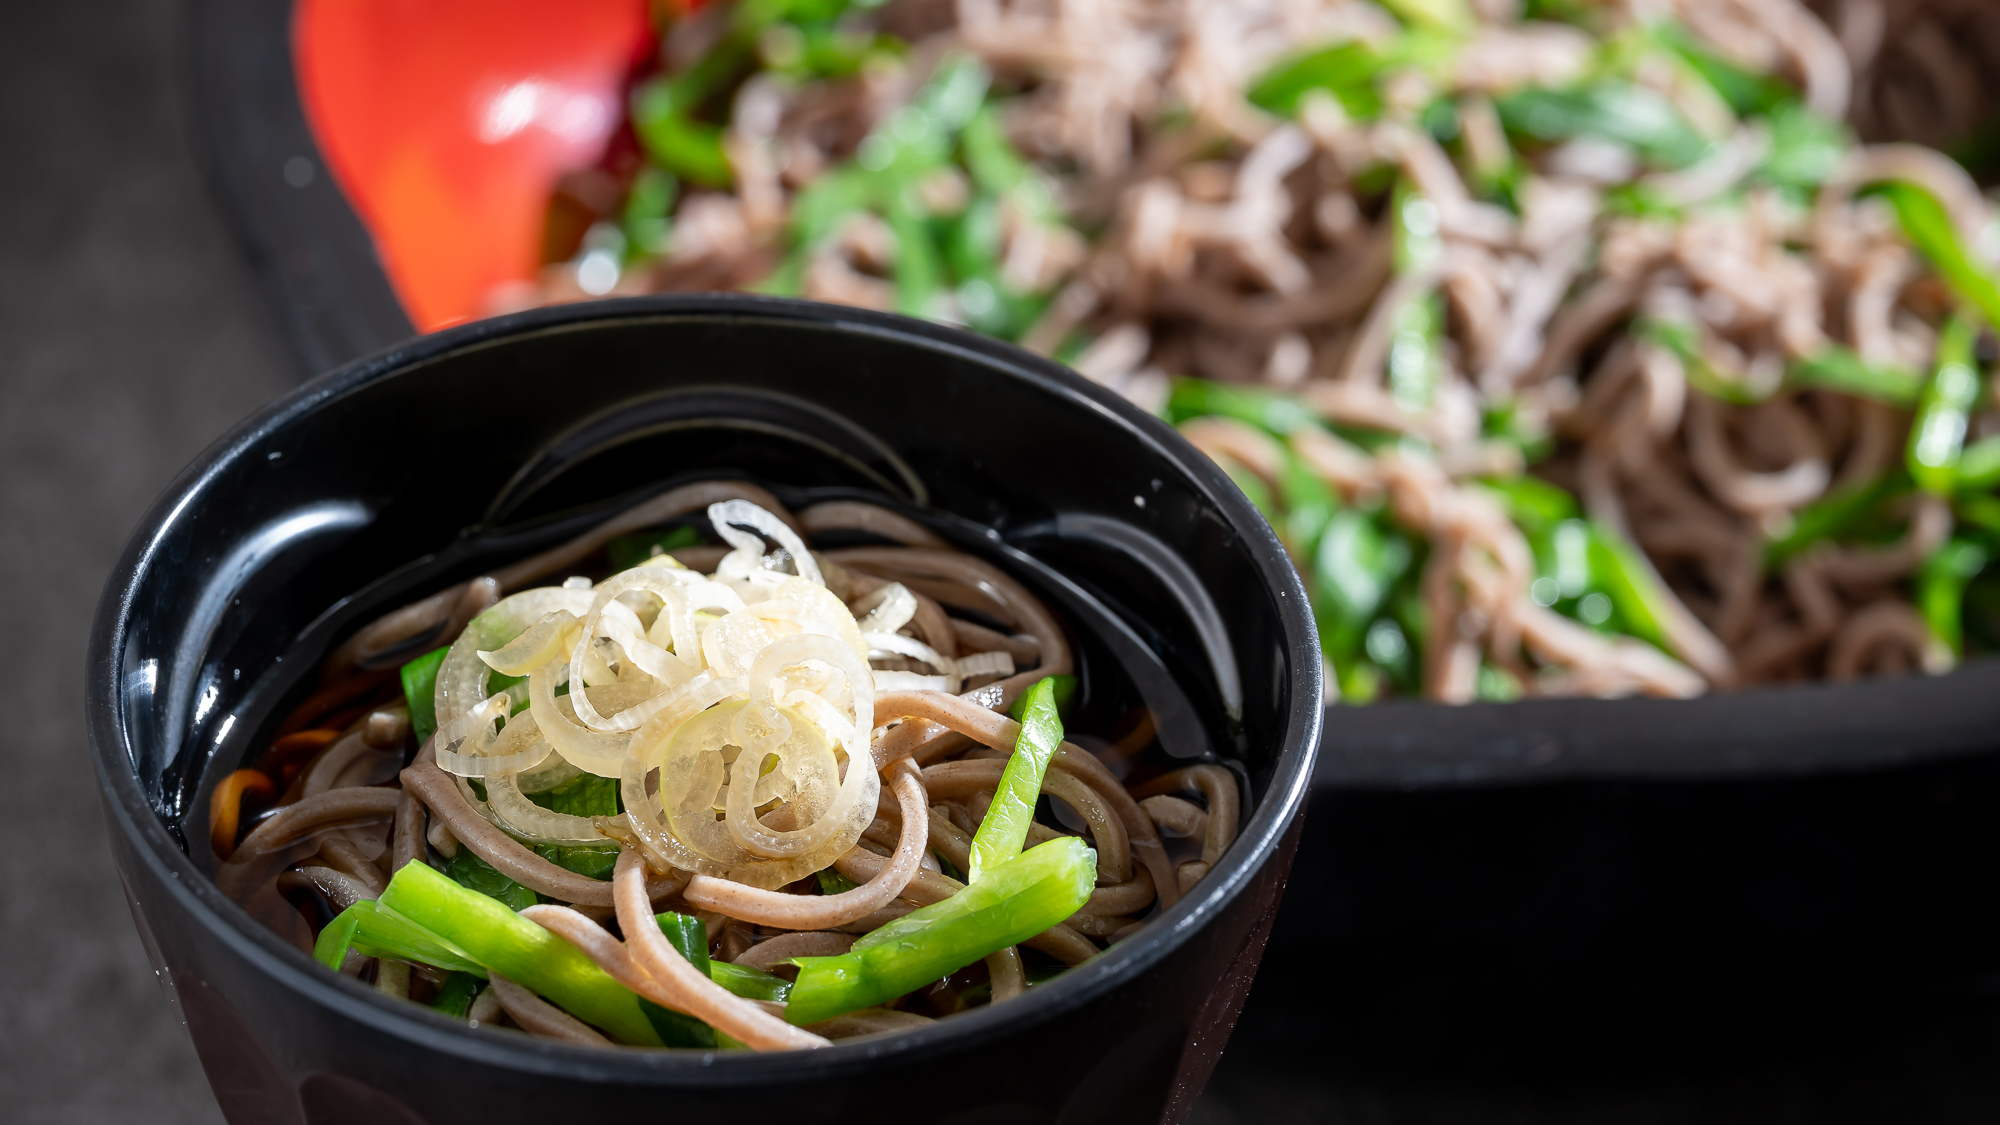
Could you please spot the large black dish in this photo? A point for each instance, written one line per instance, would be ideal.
(1598, 862)
(352, 492)
(329, 291)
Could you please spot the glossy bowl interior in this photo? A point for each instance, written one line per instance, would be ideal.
(403, 473)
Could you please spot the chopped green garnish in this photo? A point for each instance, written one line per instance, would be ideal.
(474, 873)
(420, 692)
(1064, 687)
(1941, 589)
(454, 997)
(1610, 110)
(1004, 831)
(1929, 226)
(1937, 434)
(374, 931)
(750, 983)
(1012, 903)
(678, 1029)
(832, 882)
(502, 941)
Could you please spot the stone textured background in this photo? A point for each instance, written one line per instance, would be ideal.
(130, 337)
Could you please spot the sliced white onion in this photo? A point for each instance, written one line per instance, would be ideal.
(952, 672)
(804, 760)
(619, 623)
(461, 682)
(730, 644)
(889, 608)
(748, 556)
(543, 642)
(643, 808)
(908, 681)
(674, 701)
(553, 771)
(519, 747)
(823, 813)
(515, 814)
(692, 772)
(815, 708)
(702, 685)
(477, 721)
(692, 778)
(597, 752)
(896, 644)
(611, 618)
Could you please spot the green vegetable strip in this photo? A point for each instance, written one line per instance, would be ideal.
(1013, 902)
(832, 882)
(377, 932)
(586, 796)
(385, 933)
(1417, 244)
(1834, 368)
(1439, 15)
(1982, 512)
(1938, 434)
(1684, 340)
(1064, 687)
(678, 1029)
(331, 948)
(1805, 148)
(420, 692)
(916, 266)
(1928, 225)
(518, 949)
(1839, 369)
(1941, 589)
(473, 873)
(1534, 504)
(1347, 71)
(1833, 515)
(690, 937)
(989, 156)
(1609, 109)
(646, 222)
(1631, 585)
(1309, 507)
(1005, 829)
(1274, 413)
(1746, 91)
(1979, 467)
(753, 984)
(455, 997)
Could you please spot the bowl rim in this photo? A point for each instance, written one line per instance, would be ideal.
(195, 893)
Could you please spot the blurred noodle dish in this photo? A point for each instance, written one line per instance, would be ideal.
(1571, 348)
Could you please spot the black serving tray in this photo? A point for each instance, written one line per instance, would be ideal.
(313, 259)
(1475, 883)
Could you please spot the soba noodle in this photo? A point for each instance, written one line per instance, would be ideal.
(1582, 353)
(602, 812)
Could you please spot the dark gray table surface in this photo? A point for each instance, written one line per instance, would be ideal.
(131, 335)
(130, 338)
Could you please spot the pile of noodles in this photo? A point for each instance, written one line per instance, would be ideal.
(1453, 305)
(780, 722)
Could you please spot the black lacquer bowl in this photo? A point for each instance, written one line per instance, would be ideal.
(398, 474)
